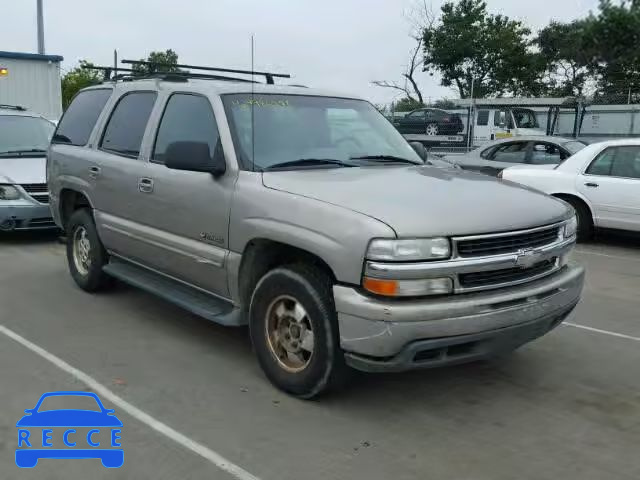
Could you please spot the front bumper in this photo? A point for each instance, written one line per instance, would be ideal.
(24, 215)
(404, 334)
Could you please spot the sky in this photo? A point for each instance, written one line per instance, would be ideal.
(341, 45)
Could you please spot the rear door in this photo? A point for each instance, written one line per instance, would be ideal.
(116, 165)
(545, 153)
(612, 184)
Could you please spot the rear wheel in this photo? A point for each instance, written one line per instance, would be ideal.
(432, 129)
(294, 331)
(85, 253)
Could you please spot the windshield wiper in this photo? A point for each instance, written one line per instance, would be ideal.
(303, 162)
(26, 150)
(385, 158)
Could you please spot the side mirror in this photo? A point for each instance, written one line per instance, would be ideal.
(421, 150)
(195, 157)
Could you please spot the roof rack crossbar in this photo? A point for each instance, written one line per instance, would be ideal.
(107, 71)
(268, 75)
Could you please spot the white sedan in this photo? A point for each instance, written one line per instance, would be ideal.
(601, 182)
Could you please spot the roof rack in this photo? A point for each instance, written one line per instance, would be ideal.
(111, 75)
(269, 76)
(19, 108)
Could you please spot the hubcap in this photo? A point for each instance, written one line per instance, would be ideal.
(432, 129)
(289, 333)
(81, 251)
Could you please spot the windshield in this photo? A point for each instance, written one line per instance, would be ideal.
(574, 146)
(290, 128)
(525, 118)
(21, 134)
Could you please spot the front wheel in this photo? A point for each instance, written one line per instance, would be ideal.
(85, 254)
(294, 330)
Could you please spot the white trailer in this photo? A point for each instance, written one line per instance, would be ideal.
(32, 81)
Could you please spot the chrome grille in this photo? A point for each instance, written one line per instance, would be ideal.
(487, 245)
(510, 276)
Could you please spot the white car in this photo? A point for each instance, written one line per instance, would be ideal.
(601, 182)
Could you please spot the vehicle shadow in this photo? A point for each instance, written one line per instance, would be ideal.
(611, 238)
(29, 238)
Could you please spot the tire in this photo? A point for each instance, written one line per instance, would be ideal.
(281, 291)
(88, 274)
(432, 129)
(585, 219)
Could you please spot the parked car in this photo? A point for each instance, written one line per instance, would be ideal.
(429, 121)
(251, 204)
(24, 198)
(495, 156)
(601, 182)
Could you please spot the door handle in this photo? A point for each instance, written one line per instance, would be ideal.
(94, 172)
(145, 185)
(591, 184)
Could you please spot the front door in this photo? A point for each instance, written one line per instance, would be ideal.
(187, 213)
(612, 184)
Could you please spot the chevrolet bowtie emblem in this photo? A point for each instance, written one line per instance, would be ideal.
(527, 258)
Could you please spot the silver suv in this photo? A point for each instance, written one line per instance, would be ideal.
(307, 217)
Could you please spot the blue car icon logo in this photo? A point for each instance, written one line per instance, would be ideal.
(97, 429)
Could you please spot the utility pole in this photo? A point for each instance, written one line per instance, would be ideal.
(40, 28)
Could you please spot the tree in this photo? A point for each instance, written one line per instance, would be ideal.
(77, 79)
(565, 50)
(469, 45)
(421, 18)
(407, 104)
(612, 37)
(166, 61)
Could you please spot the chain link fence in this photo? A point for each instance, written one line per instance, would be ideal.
(457, 126)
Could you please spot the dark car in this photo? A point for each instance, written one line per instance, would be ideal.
(431, 122)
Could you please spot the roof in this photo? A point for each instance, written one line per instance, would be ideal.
(221, 87)
(18, 113)
(31, 56)
(517, 102)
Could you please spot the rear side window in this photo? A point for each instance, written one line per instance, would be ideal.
(124, 132)
(186, 118)
(78, 121)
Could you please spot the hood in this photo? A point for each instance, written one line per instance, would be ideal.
(423, 200)
(20, 170)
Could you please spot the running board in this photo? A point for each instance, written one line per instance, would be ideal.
(189, 298)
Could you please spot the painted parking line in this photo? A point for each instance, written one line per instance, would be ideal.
(197, 448)
(619, 257)
(603, 332)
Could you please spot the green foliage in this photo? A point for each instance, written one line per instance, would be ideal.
(568, 55)
(167, 61)
(469, 44)
(77, 79)
(407, 105)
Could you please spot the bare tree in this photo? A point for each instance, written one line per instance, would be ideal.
(420, 17)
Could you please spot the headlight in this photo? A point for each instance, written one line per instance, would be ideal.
(9, 192)
(407, 250)
(571, 228)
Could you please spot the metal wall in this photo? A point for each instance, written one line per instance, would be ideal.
(34, 84)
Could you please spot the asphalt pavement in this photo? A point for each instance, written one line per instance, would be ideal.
(195, 405)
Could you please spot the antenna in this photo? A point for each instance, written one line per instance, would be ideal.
(253, 123)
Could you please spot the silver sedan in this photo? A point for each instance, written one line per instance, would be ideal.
(495, 156)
